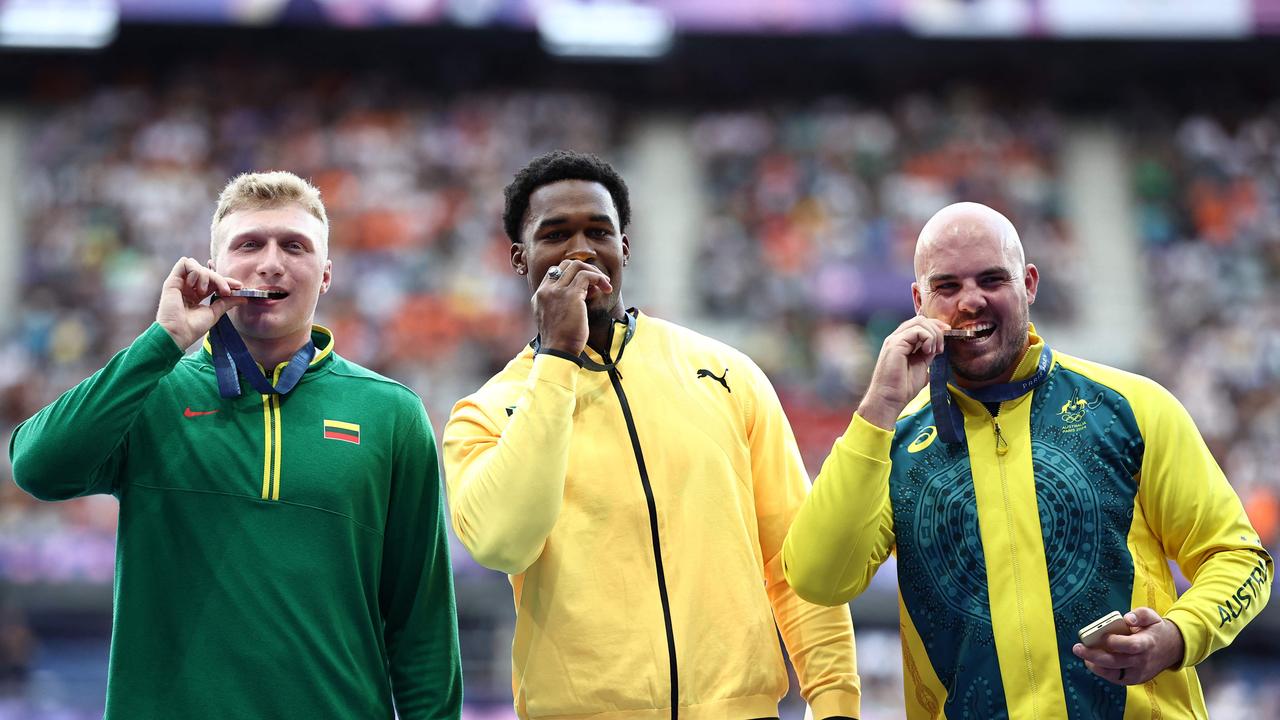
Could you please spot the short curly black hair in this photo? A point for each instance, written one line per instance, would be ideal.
(553, 167)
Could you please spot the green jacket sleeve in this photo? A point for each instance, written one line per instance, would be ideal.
(1202, 525)
(420, 618)
(506, 485)
(76, 445)
(844, 530)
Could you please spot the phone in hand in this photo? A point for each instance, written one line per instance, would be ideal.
(1091, 635)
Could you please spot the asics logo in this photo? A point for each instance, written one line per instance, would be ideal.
(923, 440)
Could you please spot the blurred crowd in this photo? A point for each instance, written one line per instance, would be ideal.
(1208, 205)
(812, 221)
(120, 182)
(811, 215)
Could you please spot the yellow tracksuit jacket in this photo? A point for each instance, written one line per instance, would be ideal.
(640, 514)
(1063, 506)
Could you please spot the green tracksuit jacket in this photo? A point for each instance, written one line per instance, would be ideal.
(1065, 504)
(277, 556)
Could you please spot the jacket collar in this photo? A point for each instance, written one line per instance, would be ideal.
(320, 335)
(617, 337)
(1026, 367)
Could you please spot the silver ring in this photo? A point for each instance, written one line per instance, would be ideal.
(555, 273)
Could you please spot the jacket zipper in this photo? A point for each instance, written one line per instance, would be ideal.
(1002, 445)
(616, 380)
(272, 444)
(271, 447)
(1002, 449)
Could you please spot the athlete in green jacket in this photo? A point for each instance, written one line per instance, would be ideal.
(1032, 497)
(279, 554)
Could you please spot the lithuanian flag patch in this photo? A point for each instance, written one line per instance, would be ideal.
(344, 431)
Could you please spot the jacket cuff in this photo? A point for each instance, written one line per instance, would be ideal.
(867, 440)
(551, 367)
(561, 354)
(836, 703)
(1194, 639)
(156, 339)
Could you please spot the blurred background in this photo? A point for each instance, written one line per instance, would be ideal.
(782, 157)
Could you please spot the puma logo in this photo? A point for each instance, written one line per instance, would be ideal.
(718, 378)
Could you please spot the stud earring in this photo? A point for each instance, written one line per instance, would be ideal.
(520, 271)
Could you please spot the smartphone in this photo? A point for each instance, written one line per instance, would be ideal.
(1113, 622)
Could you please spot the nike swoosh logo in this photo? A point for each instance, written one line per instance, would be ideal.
(196, 413)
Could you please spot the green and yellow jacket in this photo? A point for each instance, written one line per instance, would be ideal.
(277, 556)
(1061, 507)
(640, 513)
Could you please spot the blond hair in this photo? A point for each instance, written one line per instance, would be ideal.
(264, 191)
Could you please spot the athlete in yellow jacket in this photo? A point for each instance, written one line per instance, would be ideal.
(639, 503)
(1031, 497)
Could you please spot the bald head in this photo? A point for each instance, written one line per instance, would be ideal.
(959, 225)
(971, 273)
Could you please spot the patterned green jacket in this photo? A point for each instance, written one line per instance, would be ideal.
(1061, 507)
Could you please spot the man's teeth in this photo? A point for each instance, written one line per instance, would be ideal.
(971, 332)
(260, 294)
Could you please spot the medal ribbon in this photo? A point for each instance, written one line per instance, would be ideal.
(946, 411)
(230, 354)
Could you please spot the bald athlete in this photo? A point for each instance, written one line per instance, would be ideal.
(1026, 494)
